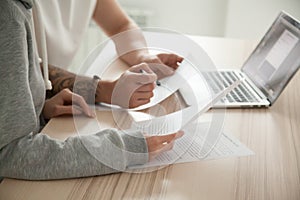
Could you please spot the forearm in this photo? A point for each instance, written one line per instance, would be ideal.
(128, 38)
(130, 43)
(90, 89)
(131, 46)
(82, 85)
(39, 157)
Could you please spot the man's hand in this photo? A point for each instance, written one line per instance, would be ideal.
(66, 103)
(159, 144)
(163, 64)
(134, 88)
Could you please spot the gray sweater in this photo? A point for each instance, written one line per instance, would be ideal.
(24, 152)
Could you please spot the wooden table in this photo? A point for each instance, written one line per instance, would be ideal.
(272, 173)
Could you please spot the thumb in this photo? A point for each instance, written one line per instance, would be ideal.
(143, 77)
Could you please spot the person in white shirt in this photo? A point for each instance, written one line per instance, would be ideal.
(63, 26)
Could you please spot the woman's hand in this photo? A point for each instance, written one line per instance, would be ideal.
(159, 144)
(163, 64)
(66, 103)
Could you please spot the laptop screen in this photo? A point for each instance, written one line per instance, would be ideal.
(276, 58)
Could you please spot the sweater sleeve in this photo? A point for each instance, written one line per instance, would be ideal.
(26, 154)
(39, 157)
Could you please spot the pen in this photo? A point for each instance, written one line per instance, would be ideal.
(157, 81)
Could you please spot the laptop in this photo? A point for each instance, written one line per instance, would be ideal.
(266, 72)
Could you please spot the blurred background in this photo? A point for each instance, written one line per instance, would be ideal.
(241, 19)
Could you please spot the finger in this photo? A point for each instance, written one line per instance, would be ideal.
(160, 149)
(162, 70)
(173, 61)
(171, 137)
(168, 146)
(68, 110)
(163, 147)
(166, 70)
(155, 60)
(143, 95)
(79, 100)
(65, 110)
(166, 138)
(136, 103)
(163, 57)
(179, 59)
(138, 99)
(173, 66)
(179, 134)
(66, 95)
(76, 110)
(146, 88)
(139, 67)
(142, 78)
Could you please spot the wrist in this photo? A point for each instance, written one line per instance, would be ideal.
(104, 91)
(135, 57)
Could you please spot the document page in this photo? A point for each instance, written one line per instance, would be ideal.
(175, 121)
(171, 84)
(190, 148)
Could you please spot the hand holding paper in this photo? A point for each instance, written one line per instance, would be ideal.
(159, 144)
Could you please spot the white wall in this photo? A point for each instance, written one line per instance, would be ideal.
(229, 18)
(251, 18)
(196, 17)
(200, 17)
(246, 19)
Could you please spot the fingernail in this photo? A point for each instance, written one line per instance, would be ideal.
(180, 133)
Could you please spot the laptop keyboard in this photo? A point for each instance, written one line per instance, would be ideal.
(219, 80)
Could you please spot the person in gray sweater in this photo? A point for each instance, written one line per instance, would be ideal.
(25, 152)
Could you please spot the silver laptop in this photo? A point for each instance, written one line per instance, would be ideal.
(267, 71)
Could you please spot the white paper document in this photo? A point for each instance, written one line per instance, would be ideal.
(186, 74)
(192, 147)
(175, 121)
